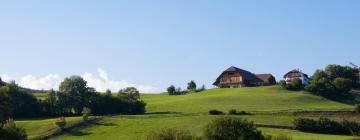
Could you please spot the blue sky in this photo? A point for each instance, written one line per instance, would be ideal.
(152, 44)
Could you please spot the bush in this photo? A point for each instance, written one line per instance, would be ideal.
(170, 134)
(232, 112)
(327, 126)
(357, 108)
(304, 124)
(231, 128)
(60, 122)
(10, 131)
(215, 112)
(296, 84)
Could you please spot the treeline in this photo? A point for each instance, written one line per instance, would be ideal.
(332, 82)
(191, 88)
(73, 96)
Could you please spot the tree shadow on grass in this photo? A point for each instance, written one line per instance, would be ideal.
(163, 113)
(102, 123)
(77, 132)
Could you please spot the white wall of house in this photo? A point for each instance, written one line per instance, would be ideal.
(303, 78)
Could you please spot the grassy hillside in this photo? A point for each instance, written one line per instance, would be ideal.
(41, 126)
(247, 99)
(190, 111)
(129, 128)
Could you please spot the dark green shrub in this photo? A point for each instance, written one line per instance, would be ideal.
(10, 131)
(307, 125)
(231, 128)
(60, 122)
(327, 126)
(170, 134)
(232, 112)
(357, 108)
(296, 84)
(215, 112)
(353, 127)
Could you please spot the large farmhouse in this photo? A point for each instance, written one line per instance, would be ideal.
(288, 77)
(234, 77)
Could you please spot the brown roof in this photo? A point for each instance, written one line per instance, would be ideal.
(264, 76)
(245, 74)
(295, 71)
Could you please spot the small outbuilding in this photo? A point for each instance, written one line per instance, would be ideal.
(268, 79)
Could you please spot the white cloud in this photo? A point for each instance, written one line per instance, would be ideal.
(102, 73)
(6, 78)
(105, 83)
(50, 81)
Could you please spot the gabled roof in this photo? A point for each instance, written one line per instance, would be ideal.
(295, 71)
(245, 74)
(264, 76)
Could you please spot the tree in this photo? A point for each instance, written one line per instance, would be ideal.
(231, 128)
(4, 105)
(76, 93)
(12, 132)
(296, 84)
(191, 86)
(335, 80)
(282, 84)
(130, 92)
(108, 92)
(22, 104)
(171, 90)
(51, 103)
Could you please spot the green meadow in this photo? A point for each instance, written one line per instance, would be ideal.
(268, 105)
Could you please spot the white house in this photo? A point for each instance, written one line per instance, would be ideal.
(288, 77)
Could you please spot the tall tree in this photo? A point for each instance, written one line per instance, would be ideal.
(130, 92)
(171, 90)
(4, 104)
(76, 93)
(191, 86)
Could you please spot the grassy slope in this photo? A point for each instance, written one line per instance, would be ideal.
(35, 127)
(189, 111)
(247, 99)
(127, 128)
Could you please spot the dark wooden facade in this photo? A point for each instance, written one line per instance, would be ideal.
(268, 79)
(234, 77)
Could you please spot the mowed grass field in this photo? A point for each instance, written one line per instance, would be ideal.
(190, 111)
(257, 99)
(130, 128)
(41, 126)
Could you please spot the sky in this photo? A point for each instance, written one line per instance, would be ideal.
(154, 44)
